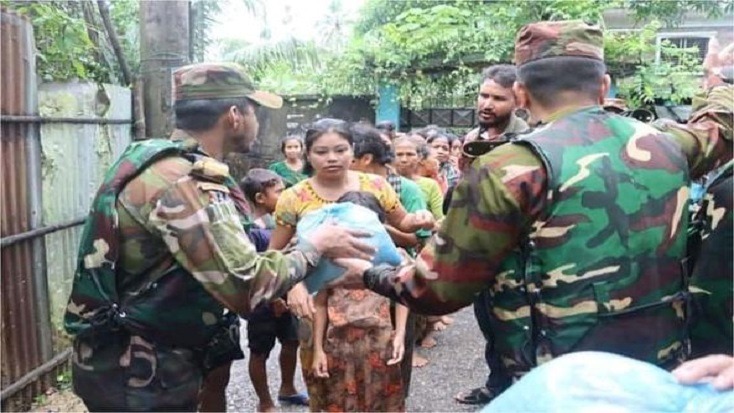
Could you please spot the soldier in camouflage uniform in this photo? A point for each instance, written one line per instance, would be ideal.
(578, 228)
(496, 106)
(711, 281)
(164, 252)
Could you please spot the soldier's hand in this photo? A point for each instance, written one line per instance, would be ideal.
(335, 241)
(719, 369)
(300, 302)
(353, 277)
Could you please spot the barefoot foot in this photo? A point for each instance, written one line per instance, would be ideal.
(428, 342)
(419, 361)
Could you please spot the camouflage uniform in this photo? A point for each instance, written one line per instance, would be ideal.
(711, 282)
(163, 253)
(477, 144)
(578, 228)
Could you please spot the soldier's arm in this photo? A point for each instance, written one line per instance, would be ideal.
(199, 223)
(493, 206)
(707, 139)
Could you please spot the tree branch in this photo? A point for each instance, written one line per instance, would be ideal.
(104, 11)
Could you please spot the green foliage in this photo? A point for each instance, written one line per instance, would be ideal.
(672, 12)
(672, 79)
(64, 46)
(125, 15)
(202, 17)
(434, 49)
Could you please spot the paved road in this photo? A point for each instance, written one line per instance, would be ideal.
(456, 364)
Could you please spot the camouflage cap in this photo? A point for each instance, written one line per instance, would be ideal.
(219, 81)
(542, 40)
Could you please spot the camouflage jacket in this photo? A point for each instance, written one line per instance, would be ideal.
(163, 250)
(711, 283)
(505, 196)
(605, 254)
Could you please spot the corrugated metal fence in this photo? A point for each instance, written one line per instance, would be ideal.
(57, 142)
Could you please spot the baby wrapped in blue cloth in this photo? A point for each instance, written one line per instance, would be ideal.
(356, 210)
(593, 381)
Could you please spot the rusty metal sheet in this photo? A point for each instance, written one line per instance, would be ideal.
(21, 349)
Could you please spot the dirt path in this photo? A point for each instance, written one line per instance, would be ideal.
(456, 364)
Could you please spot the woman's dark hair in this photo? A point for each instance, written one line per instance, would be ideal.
(285, 140)
(321, 127)
(367, 141)
(421, 147)
(203, 114)
(545, 79)
(366, 200)
(439, 133)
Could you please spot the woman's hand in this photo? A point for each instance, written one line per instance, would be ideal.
(719, 369)
(398, 348)
(423, 220)
(300, 302)
(320, 366)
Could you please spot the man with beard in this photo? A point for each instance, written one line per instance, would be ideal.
(496, 105)
(496, 114)
(164, 252)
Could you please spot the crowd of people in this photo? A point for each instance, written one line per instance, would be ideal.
(564, 225)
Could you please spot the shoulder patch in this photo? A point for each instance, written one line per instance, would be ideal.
(211, 186)
(210, 169)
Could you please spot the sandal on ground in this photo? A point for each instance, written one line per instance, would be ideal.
(298, 399)
(480, 395)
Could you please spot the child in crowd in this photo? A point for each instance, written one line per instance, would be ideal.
(356, 351)
(291, 168)
(270, 321)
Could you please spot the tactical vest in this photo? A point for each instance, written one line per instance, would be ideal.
(173, 309)
(710, 241)
(601, 268)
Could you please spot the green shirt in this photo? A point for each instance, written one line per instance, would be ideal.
(432, 195)
(412, 199)
(289, 176)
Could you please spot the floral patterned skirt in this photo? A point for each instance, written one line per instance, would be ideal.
(359, 378)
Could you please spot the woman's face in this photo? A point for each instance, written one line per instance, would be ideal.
(456, 148)
(430, 166)
(441, 148)
(406, 158)
(330, 155)
(292, 149)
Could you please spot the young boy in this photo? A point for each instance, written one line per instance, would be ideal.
(268, 322)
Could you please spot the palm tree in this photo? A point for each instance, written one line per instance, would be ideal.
(334, 26)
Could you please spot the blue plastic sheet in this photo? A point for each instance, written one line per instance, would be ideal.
(354, 217)
(603, 382)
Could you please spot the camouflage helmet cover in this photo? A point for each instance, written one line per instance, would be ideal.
(546, 39)
(219, 81)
